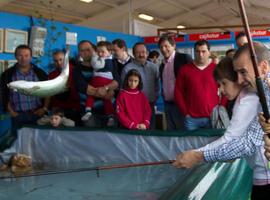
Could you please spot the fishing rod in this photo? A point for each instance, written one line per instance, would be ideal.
(97, 169)
(254, 60)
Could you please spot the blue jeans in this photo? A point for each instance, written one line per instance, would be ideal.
(192, 124)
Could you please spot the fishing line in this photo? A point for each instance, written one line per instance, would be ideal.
(97, 169)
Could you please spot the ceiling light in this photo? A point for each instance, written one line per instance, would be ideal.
(146, 17)
(86, 1)
(181, 26)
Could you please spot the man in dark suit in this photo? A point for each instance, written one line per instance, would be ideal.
(168, 72)
(121, 56)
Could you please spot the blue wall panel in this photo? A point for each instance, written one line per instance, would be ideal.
(13, 21)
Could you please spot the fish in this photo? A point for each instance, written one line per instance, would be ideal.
(43, 88)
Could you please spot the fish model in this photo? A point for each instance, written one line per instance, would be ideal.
(43, 88)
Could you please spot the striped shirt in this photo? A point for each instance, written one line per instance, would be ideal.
(20, 102)
(169, 78)
(250, 144)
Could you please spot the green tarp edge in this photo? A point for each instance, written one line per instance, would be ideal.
(7, 138)
(179, 133)
(232, 182)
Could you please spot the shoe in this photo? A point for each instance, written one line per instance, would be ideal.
(110, 122)
(86, 116)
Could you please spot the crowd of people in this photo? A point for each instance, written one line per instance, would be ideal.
(106, 81)
(97, 81)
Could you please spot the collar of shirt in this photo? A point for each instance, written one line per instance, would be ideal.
(267, 77)
(24, 74)
(124, 61)
(170, 59)
(202, 66)
(109, 57)
(140, 64)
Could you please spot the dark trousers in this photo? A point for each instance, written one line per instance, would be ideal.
(74, 115)
(24, 118)
(153, 117)
(260, 192)
(174, 119)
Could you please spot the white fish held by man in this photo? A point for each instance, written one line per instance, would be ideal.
(43, 88)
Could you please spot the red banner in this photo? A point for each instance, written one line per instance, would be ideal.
(257, 33)
(209, 36)
(155, 39)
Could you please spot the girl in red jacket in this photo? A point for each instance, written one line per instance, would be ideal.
(132, 107)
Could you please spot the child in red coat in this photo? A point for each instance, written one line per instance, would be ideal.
(132, 107)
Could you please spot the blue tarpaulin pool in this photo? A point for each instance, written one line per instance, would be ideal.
(67, 149)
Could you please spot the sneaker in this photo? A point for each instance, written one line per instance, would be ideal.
(110, 122)
(86, 116)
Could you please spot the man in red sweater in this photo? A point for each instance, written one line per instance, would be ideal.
(67, 101)
(196, 90)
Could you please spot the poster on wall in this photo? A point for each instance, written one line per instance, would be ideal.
(130, 52)
(2, 66)
(187, 50)
(37, 40)
(209, 36)
(71, 38)
(10, 63)
(101, 38)
(267, 44)
(13, 38)
(1, 40)
(220, 50)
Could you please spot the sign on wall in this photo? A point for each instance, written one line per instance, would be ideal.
(155, 39)
(71, 38)
(257, 33)
(210, 36)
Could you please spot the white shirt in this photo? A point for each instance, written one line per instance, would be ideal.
(245, 109)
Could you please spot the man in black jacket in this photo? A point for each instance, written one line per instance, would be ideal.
(23, 109)
(122, 58)
(168, 72)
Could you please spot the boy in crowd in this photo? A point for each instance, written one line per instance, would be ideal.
(56, 119)
(241, 39)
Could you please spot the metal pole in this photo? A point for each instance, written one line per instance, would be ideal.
(253, 56)
(130, 17)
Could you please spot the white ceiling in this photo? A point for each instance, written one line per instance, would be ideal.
(114, 15)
